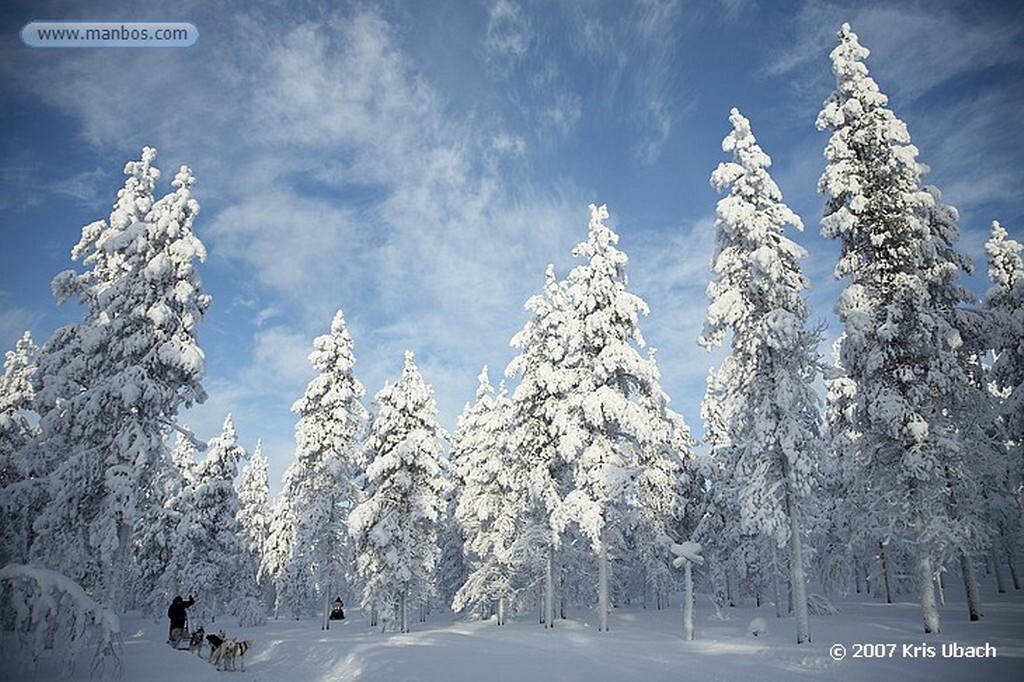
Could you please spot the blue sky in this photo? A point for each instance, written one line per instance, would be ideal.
(417, 164)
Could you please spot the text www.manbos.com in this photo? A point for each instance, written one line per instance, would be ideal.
(109, 34)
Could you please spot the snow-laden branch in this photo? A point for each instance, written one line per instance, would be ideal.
(194, 440)
(47, 611)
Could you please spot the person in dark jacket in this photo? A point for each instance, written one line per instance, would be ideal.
(337, 610)
(178, 614)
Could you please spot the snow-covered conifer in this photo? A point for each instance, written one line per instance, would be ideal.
(17, 397)
(769, 401)
(1004, 304)
(534, 446)
(490, 502)
(395, 527)
(613, 425)
(209, 540)
(109, 387)
(321, 484)
(277, 550)
(20, 494)
(155, 536)
(254, 510)
(902, 345)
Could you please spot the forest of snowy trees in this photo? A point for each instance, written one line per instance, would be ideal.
(887, 466)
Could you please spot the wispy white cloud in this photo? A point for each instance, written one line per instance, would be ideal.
(508, 31)
(635, 52)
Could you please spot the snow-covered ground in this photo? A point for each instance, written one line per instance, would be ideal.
(642, 645)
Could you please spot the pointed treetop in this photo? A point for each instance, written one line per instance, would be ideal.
(743, 144)
(1005, 267)
(228, 430)
(338, 323)
(484, 389)
(184, 179)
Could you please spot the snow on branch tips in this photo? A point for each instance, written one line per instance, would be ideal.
(45, 611)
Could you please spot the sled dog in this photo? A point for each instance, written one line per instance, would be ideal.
(232, 652)
(196, 642)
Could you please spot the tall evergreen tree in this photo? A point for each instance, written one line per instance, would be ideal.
(17, 397)
(20, 494)
(490, 503)
(770, 406)
(902, 345)
(1004, 303)
(544, 472)
(613, 425)
(254, 513)
(321, 484)
(395, 527)
(274, 563)
(209, 541)
(110, 387)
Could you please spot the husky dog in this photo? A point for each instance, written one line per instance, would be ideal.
(196, 642)
(216, 642)
(232, 651)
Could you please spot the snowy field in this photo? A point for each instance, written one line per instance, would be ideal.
(642, 645)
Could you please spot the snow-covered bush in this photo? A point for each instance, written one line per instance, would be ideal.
(757, 627)
(42, 611)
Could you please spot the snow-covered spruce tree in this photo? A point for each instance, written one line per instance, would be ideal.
(109, 387)
(544, 473)
(320, 485)
(842, 545)
(274, 562)
(20, 494)
(209, 542)
(490, 502)
(155, 538)
(395, 527)
(914, 479)
(1004, 303)
(612, 424)
(770, 403)
(254, 517)
(17, 397)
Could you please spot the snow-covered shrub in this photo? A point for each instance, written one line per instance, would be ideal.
(757, 627)
(46, 611)
(249, 610)
(820, 606)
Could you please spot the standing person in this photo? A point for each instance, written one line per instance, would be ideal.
(177, 612)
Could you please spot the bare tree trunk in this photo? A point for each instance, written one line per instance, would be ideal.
(797, 579)
(688, 602)
(925, 572)
(403, 605)
(549, 589)
(1013, 569)
(776, 592)
(971, 586)
(885, 572)
(602, 584)
(728, 588)
(998, 571)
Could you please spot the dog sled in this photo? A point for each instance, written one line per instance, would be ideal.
(182, 638)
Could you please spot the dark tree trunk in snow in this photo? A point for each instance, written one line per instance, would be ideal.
(971, 586)
(602, 589)
(886, 581)
(549, 589)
